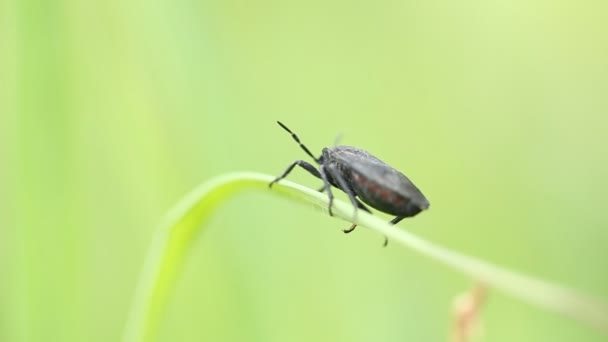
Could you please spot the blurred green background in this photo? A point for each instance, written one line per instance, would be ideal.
(111, 111)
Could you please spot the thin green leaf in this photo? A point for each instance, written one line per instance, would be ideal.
(188, 219)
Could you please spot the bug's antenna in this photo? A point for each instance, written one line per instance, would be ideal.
(295, 137)
(337, 139)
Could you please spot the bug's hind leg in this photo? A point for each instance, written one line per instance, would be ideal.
(397, 219)
(306, 166)
(353, 226)
(393, 221)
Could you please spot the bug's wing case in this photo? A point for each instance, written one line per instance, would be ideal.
(387, 177)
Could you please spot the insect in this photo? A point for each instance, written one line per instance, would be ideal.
(364, 178)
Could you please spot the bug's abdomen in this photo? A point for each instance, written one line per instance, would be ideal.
(382, 198)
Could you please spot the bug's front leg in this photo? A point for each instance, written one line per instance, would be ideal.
(327, 187)
(306, 166)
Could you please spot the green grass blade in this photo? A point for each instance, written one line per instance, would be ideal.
(188, 218)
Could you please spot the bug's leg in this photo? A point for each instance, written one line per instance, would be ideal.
(397, 219)
(393, 221)
(349, 229)
(327, 187)
(306, 166)
(343, 186)
(353, 226)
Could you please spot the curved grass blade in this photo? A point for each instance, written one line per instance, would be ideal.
(187, 220)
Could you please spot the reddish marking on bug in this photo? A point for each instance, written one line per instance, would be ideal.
(386, 195)
(399, 201)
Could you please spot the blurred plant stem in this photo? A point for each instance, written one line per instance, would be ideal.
(187, 220)
(466, 315)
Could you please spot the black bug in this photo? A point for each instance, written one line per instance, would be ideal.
(364, 178)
